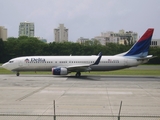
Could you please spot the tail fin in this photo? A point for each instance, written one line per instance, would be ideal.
(141, 47)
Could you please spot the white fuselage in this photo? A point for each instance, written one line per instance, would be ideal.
(46, 63)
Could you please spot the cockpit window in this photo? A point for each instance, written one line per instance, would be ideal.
(11, 61)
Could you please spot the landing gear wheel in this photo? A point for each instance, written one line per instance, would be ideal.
(17, 74)
(78, 74)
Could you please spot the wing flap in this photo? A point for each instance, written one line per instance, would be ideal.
(80, 68)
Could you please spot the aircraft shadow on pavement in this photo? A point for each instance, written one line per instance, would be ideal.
(92, 77)
(104, 78)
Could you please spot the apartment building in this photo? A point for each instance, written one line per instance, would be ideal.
(61, 34)
(121, 37)
(26, 29)
(3, 33)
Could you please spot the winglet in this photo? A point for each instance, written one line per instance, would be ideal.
(98, 59)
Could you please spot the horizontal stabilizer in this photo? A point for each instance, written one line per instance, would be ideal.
(147, 58)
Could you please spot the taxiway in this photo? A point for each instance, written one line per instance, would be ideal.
(87, 95)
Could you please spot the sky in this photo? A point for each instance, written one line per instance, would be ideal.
(83, 18)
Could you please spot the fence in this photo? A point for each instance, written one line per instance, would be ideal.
(23, 115)
(74, 117)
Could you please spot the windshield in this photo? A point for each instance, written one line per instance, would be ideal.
(11, 61)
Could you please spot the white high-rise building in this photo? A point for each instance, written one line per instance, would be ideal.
(3, 33)
(155, 42)
(61, 34)
(26, 29)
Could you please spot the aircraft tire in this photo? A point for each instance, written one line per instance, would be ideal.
(17, 74)
(78, 74)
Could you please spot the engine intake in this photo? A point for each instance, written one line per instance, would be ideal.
(59, 71)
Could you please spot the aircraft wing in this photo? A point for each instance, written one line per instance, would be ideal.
(84, 67)
(81, 68)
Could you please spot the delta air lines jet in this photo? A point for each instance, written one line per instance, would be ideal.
(62, 65)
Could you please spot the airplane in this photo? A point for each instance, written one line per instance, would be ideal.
(63, 65)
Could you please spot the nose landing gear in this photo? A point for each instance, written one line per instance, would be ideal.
(17, 73)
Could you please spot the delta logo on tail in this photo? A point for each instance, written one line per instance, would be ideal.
(140, 49)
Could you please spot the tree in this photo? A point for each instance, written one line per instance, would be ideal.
(155, 51)
(1, 50)
(96, 42)
(29, 46)
(88, 42)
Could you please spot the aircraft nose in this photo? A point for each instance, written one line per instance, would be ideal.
(6, 66)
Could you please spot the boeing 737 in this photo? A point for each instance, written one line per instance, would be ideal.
(62, 65)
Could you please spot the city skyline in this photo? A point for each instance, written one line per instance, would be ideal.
(83, 18)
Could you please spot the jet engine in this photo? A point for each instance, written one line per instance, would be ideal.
(59, 71)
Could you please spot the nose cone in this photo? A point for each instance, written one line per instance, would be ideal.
(6, 66)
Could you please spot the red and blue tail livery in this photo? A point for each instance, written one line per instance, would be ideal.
(141, 47)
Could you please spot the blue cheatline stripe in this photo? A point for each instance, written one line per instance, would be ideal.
(140, 48)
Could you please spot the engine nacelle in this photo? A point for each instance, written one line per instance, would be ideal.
(59, 71)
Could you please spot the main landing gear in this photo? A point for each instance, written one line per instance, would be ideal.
(78, 74)
(17, 73)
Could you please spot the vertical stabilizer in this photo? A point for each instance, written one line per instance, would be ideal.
(141, 47)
